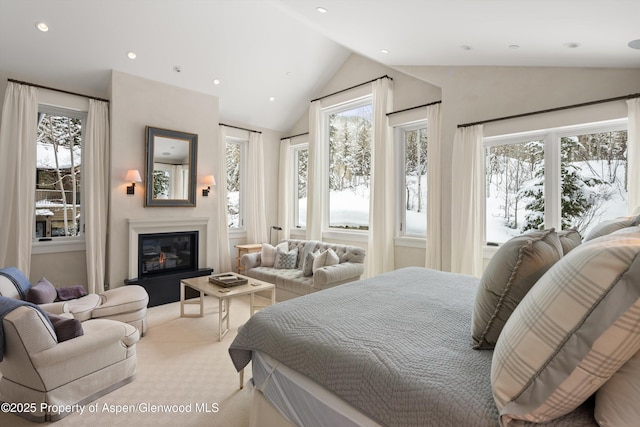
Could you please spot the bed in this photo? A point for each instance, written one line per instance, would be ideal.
(392, 350)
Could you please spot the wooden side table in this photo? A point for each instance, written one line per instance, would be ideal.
(245, 249)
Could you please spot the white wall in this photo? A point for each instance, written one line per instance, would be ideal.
(136, 103)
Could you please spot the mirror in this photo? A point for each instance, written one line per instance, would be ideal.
(171, 168)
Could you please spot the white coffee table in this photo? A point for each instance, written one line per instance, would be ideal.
(224, 296)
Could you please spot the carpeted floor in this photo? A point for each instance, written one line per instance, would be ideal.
(180, 362)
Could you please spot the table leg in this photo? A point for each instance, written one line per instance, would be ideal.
(241, 379)
(224, 305)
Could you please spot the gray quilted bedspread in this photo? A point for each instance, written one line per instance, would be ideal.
(396, 346)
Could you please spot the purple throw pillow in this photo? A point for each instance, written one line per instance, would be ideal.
(42, 292)
(71, 292)
(65, 328)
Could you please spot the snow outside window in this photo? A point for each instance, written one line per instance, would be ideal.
(300, 160)
(565, 178)
(414, 180)
(236, 153)
(349, 132)
(58, 201)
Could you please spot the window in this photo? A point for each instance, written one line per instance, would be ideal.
(235, 157)
(565, 178)
(349, 136)
(413, 146)
(300, 165)
(58, 201)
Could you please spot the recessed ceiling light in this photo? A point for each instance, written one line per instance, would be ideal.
(216, 81)
(321, 9)
(385, 51)
(42, 26)
(634, 44)
(177, 69)
(514, 46)
(131, 55)
(272, 98)
(465, 47)
(571, 45)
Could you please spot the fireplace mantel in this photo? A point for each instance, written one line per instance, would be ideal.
(162, 225)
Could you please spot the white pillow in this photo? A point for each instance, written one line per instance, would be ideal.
(268, 253)
(325, 258)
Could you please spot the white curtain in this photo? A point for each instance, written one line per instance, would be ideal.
(255, 214)
(316, 174)
(18, 133)
(633, 154)
(434, 188)
(382, 198)
(96, 193)
(176, 187)
(466, 204)
(224, 257)
(285, 194)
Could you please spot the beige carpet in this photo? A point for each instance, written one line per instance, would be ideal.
(180, 362)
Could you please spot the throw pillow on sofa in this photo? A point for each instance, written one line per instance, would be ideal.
(325, 258)
(616, 400)
(66, 328)
(571, 333)
(609, 226)
(286, 259)
(569, 239)
(268, 253)
(512, 271)
(42, 292)
(307, 269)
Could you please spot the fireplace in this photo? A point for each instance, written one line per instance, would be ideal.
(167, 253)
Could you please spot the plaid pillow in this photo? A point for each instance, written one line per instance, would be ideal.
(573, 330)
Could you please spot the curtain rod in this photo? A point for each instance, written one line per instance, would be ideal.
(414, 108)
(551, 110)
(293, 136)
(237, 127)
(56, 90)
(352, 87)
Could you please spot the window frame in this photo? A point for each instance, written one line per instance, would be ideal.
(54, 244)
(552, 158)
(400, 143)
(328, 231)
(244, 145)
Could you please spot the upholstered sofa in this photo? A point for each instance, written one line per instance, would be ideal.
(294, 281)
(46, 371)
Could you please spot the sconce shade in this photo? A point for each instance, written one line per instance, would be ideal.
(209, 180)
(133, 175)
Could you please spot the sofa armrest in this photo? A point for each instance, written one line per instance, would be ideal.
(251, 260)
(60, 307)
(332, 275)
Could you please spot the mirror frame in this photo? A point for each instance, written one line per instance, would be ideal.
(192, 139)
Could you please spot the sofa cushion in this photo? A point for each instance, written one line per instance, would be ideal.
(609, 226)
(307, 269)
(307, 248)
(65, 327)
(325, 258)
(268, 254)
(512, 271)
(573, 330)
(42, 292)
(286, 259)
(616, 400)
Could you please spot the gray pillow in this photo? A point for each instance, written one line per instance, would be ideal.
(569, 239)
(307, 270)
(65, 328)
(609, 226)
(513, 270)
(286, 259)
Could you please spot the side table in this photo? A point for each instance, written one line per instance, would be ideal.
(245, 249)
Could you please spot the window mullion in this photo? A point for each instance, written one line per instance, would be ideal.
(552, 182)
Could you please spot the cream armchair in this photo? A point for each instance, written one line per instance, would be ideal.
(39, 370)
(127, 304)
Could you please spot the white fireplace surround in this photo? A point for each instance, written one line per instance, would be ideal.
(165, 225)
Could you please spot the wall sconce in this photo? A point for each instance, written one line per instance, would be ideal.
(133, 176)
(208, 180)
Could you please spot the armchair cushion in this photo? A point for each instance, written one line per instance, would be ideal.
(42, 292)
(66, 328)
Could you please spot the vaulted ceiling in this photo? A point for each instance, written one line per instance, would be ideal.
(270, 57)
